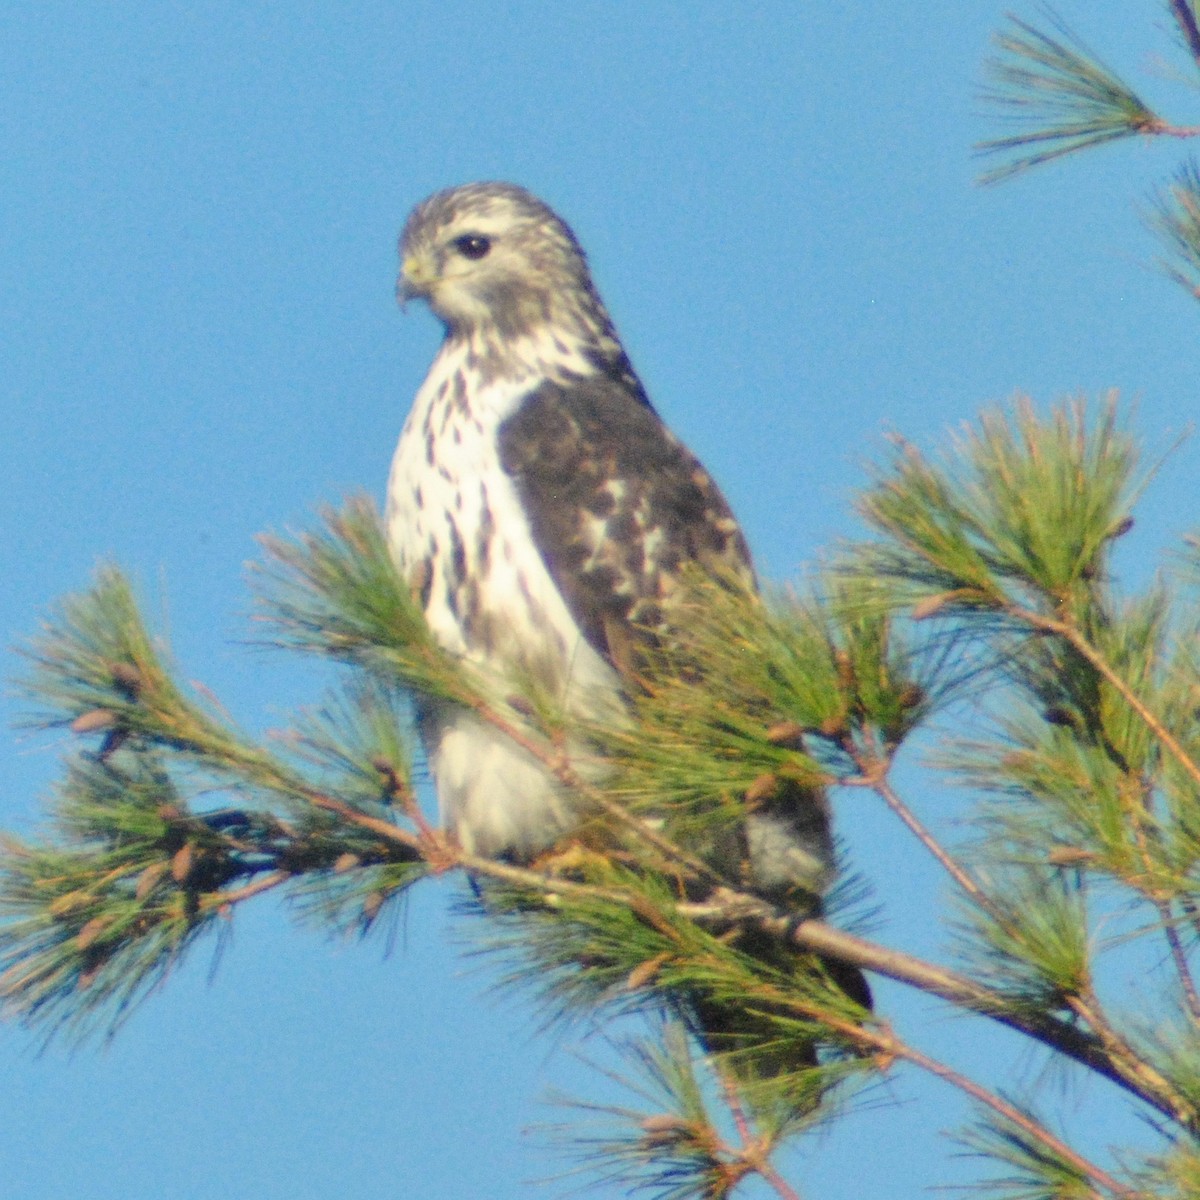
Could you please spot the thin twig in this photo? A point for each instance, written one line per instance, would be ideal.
(740, 1120)
(762, 1164)
(491, 868)
(1185, 17)
(1086, 1005)
(881, 785)
(1061, 1036)
(257, 887)
(1179, 954)
(385, 829)
(729, 908)
(1136, 812)
(1100, 1180)
(733, 907)
(883, 1041)
(1071, 635)
(754, 1152)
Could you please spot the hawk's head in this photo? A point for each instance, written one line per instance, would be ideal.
(492, 257)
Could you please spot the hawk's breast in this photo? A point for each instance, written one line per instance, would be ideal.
(461, 535)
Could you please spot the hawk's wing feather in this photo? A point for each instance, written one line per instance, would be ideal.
(616, 505)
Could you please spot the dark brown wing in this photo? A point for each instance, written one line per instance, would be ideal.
(616, 504)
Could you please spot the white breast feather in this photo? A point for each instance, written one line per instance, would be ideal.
(495, 796)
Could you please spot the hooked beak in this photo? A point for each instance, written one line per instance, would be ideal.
(418, 276)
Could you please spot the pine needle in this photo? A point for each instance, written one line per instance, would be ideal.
(1061, 94)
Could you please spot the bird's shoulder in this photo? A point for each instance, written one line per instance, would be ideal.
(616, 504)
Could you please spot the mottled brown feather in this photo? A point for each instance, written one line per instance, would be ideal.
(616, 504)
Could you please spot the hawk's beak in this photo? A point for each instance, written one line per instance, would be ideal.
(418, 275)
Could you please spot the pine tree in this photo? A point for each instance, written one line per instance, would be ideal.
(980, 616)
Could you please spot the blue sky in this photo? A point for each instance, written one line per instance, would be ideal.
(198, 213)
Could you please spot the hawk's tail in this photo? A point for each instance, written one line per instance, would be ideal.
(760, 1040)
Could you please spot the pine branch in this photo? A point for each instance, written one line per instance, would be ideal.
(672, 1144)
(1038, 1165)
(94, 918)
(888, 1047)
(1185, 14)
(1059, 1035)
(137, 868)
(337, 593)
(1098, 720)
(1021, 508)
(729, 910)
(1086, 1005)
(1174, 1173)
(1077, 640)
(1063, 95)
(1176, 219)
(991, 576)
(874, 772)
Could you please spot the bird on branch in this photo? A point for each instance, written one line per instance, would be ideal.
(545, 517)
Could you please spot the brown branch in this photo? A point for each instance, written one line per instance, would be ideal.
(1075, 639)
(1098, 1178)
(491, 868)
(754, 1152)
(761, 1163)
(1136, 812)
(878, 781)
(1086, 1005)
(536, 881)
(883, 1042)
(728, 908)
(1162, 903)
(1179, 954)
(1116, 1062)
(263, 884)
(1185, 17)
(1053, 1032)
(740, 1121)
(1072, 636)
(384, 829)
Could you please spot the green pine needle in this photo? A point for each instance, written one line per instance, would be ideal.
(1033, 943)
(140, 860)
(1087, 761)
(1022, 511)
(763, 698)
(673, 1148)
(1064, 97)
(1176, 219)
(359, 738)
(1024, 1167)
(96, 666)
(337, 592)
(1172, 1175)
(628, 950)
(92, 921)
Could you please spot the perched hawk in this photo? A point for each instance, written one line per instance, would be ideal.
(543, 512)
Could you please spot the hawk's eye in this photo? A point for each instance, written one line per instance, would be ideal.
(472, 245)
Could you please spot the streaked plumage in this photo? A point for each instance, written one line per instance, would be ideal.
(544, 511)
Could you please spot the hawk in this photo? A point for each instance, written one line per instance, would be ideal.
(544, 514)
